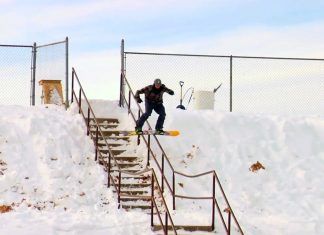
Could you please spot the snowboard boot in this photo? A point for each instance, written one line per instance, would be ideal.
(160, 131)
(138, 130)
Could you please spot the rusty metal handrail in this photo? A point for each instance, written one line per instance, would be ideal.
(215, 177)
(111, 155)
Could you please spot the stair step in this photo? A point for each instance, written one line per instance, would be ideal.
(116, 137)
(122, 159)
(102, 144)
(132, 199)
(139, 177)
(134, 185)
(126, 165)
(126, 158)
(108, 132)
(103, 120)
(190, 228)
(114, 151)
(102, 126)
(133, 192)
(124, 174)
(143, 207)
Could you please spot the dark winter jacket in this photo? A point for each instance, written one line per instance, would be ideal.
(152, 94)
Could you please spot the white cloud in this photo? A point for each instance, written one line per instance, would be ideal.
(303, 40)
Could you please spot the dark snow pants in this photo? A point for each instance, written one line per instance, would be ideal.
(149, 107)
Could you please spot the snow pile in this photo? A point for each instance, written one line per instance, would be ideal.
(50, 181)
(271, 168)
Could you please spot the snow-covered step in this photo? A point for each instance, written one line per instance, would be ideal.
(129, 192)
(186, 229)
(114, 151)
(103, 120)
(103, 126)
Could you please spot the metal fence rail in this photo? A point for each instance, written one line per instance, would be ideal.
(248, 84)
(15, 74)
(23, 66)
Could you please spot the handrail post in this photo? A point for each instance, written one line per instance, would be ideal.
(162, 176)
(129, 101)
(173, 189)
(119, 186)
(213, 204)
(72, 85)
(88, 122)
(229, 223)
(152, 198)
(96, 156)
(109, 166)
(148, 150)
(138, 138)
(80, 100)
(166, 223)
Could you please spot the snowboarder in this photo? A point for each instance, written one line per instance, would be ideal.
(153, 101)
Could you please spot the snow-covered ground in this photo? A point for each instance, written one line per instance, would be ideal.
(49, 178)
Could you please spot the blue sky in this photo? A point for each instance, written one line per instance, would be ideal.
(95, 28)
(100, 25)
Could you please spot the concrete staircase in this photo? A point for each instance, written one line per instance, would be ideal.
(140, 185)
(127, 160)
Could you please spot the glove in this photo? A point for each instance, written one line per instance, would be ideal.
(139, 100)
(171, 92)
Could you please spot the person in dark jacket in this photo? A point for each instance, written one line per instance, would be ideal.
(153, 101)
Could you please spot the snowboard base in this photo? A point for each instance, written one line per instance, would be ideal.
(150, 132)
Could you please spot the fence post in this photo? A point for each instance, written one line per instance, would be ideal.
(122, 87)
(66, 72)
(129, 101)
(33, 75)
(231, 83)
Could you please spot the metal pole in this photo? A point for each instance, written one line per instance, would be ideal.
(80, 100)
(66, 72)
(152, 198)
(119, 186)
(96, 156)
(88, 122)
(173, 189)
(231, 83)
(122, 86)
(213, 205)
(72, 89)
(33, 76)
(162, 180)
(148, 150)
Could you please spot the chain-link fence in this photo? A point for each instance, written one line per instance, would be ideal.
(51, 64)
(15, 74)
(232, 83)
(23, 66)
